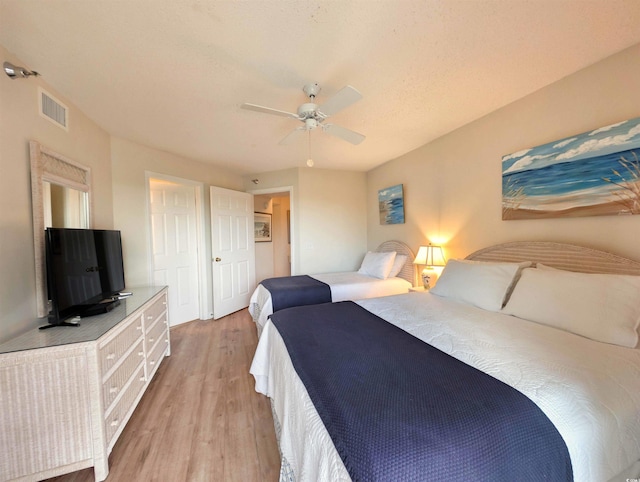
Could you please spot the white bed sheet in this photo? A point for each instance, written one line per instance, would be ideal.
(589, 390)
(344, 286)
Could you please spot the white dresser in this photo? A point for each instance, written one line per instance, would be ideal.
(66, 393)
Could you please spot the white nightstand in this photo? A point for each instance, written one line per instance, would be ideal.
(418, 289)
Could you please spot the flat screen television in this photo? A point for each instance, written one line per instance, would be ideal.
(85, 272)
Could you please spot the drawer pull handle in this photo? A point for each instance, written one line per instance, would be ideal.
(151, 340)
(140, 353)
(111, 356)
(164, 303)
(142, 379)
(114, 390)
(149, 317)
(152, 363)
(115, 423)
(139, 327)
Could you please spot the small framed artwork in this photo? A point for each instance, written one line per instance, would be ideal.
(391, 205)
(262, 227)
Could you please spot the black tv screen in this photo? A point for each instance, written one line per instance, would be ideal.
(84, 268)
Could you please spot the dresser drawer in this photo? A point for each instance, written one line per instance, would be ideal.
(110, 353)
(156, 332)
(155, 357)
(152, 313)
(119, 415)
(119, 378)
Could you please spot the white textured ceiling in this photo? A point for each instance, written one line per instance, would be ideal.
(172, 74)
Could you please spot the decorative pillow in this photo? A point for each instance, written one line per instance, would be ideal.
(377, 265)
(482, 284)
(398, 264)
(603, 307)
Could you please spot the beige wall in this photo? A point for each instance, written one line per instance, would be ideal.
(453, 185)
(328, 225)
(332, 227)
(85, 142)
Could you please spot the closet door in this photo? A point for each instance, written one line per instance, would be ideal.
(175, 247)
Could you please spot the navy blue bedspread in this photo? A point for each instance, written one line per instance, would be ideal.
(301, 290)
(398, 409)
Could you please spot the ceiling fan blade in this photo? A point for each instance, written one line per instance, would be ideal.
(269, 110)
(292, 136)
(342, 133)
(343, 98)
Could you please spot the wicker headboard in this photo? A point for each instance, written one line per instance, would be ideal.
(408, 271)
(559, 255)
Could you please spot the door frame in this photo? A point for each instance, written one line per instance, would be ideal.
(292, 219)
(205, 303)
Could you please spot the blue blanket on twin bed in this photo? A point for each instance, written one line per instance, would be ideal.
(301, 290)
(397, 408)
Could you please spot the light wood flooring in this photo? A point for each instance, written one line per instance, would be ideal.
(201, 419)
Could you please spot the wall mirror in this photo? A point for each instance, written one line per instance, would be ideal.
(61, 198)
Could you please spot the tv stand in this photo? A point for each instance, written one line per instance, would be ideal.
(67, 395)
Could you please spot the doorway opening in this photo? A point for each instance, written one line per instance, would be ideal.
(276, 258)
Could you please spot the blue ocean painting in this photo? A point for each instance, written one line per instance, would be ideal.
(594, 173)
(391, 205)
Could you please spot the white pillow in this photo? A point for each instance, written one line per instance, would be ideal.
(482, 284)
(377, 265)
(603, 307)
(398, 264)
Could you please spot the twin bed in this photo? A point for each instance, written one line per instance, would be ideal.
(526, 325)
(351, 285)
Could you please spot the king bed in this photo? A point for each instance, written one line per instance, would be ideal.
(382, 273)
(522, 363)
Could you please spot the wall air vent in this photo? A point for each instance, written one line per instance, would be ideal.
(53, 110)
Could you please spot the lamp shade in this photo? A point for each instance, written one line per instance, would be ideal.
(430, 256)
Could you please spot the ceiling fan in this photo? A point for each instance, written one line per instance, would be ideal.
(313, 115)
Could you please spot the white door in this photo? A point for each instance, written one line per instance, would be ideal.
(175, 248)
(233, 254)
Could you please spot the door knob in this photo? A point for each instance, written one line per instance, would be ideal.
(217, 260)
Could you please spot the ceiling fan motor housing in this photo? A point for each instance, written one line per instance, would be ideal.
(307, 111)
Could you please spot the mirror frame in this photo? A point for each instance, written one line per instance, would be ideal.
(47, 165)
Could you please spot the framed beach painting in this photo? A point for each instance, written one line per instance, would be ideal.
(591, 174)
(262, 227)
(391, 205)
